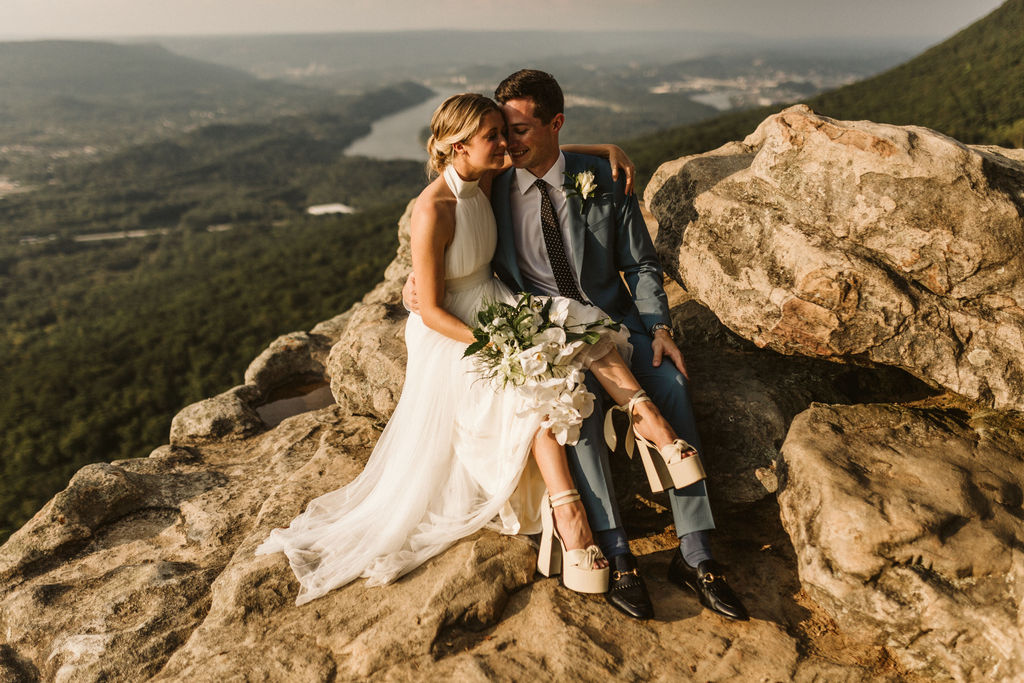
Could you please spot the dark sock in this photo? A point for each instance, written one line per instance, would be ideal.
(612, 541)
(695, 547)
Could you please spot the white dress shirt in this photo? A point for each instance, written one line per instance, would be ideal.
(531, 253)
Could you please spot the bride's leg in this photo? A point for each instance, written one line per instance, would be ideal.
(618, 380)
(571, 519)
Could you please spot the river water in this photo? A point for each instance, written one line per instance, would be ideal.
(398, 136)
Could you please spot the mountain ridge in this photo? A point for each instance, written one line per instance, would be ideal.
(970, 87)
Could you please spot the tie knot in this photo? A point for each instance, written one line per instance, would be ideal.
(541, 184)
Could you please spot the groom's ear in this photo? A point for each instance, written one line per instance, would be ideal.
(557, 121)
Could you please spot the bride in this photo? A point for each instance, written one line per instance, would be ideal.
(455, 455)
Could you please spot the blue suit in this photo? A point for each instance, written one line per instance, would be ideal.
(610, 238)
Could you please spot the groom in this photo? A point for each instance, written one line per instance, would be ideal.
(580, 252)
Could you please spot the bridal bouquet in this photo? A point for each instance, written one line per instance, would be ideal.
(534, 345)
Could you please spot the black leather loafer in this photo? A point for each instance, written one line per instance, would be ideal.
(708, 582)
(626, 589)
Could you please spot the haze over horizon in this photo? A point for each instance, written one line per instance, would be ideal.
(801, 19)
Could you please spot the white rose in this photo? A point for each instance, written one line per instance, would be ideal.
(586, 183)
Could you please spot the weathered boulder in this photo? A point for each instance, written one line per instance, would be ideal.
(114, 574)
(231, 414)
(288, 358)
(907, 524)
(745, 398)
(857, 241)
(367, 364)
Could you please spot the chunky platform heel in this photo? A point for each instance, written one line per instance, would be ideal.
(676, 465)
(577, 566)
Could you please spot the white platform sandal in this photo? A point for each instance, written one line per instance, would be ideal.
(675, 465)
(578, 569)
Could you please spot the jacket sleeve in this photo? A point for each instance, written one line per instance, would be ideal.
(638, 261)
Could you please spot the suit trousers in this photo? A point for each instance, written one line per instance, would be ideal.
(589, 459)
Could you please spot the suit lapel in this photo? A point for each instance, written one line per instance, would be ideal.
(577, 224)
(502, 204)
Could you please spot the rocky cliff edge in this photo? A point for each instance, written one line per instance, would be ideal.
(850, 300)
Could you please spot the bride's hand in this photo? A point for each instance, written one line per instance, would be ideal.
(409, 298)
(615, 156)
(618, 160)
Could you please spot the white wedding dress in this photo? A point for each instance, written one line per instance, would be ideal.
(455, 455)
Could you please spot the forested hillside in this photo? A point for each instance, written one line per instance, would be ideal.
(105, 338)
(970, 87)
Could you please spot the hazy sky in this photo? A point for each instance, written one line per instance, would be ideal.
(768, 18)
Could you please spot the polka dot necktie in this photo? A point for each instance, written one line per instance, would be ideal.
(555, 246)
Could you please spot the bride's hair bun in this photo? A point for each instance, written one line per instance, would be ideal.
(456, 120)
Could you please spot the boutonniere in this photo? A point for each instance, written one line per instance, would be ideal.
(582, 185)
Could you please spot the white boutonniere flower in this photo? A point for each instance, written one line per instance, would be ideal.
(582, 185)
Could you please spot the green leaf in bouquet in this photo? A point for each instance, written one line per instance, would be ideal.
(474, 347)
(591, 337)
(545, 312)
(523, 316)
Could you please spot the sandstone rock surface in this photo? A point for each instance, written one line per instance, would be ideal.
(367, 364)
(231, 414)
(144, 568)
(908, 525)
(857, 241)
(292, 356)
(745, 398)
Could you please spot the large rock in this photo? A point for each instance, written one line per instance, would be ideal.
(145, 568)
(161, 582)
(857, 241)
(230, 415)
(292, 357)
(115, 573)
(745, 398)
(367, 364)
(908, 528)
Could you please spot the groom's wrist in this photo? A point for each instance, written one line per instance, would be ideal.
(661, 326)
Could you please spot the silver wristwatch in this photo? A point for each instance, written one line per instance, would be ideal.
(661, 326)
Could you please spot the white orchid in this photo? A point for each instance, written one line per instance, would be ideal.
(552, 335)
(559, 311)
(535, 346)
(533, 361)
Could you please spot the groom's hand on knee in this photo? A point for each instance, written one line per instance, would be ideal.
(662, 346)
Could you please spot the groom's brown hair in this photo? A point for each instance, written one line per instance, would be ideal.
(539, 86)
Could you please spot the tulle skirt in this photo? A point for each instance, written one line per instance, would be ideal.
(454, 457)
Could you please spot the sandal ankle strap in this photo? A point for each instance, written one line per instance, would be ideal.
(564, 498)
(609, 427)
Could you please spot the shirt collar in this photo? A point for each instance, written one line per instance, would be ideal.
(554, 177)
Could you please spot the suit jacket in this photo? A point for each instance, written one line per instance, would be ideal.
(608, 238)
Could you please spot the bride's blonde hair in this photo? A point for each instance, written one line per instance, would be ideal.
(456, 120)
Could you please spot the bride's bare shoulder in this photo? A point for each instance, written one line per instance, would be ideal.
(435, 206)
